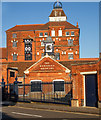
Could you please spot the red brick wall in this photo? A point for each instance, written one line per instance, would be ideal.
(61, 43)
(78, 85)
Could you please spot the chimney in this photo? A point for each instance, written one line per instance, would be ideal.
(77, 25)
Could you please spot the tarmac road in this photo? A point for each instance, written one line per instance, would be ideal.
(17, 113)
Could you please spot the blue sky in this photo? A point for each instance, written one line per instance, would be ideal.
(85, 13)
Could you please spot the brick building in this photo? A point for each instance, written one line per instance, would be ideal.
(50, 53)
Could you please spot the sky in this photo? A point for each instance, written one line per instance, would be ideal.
(85, 13)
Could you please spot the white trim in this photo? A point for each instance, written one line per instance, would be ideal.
(90, 72)
(70, 53)
(58, 80)
(35, 81)
(26, 72)
(84, 91)
(84, 80)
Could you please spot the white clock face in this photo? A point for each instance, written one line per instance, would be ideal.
(49, 48)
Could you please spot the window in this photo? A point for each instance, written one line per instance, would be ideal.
(14, 57)
(67, 33)
(70, 56)
(72, 33)
(41, 34)
(14, 44)
(14, 35)
(37, 53)
(59, 13)
(46, 34)
(57, 56)
(12, 74)
(28, 49)
(42, 54)
(55, 13)
(53, 32)
(60, 32)
(58, 85)
(63, 52)
(70, 42)
(36, 86)
(42, 43)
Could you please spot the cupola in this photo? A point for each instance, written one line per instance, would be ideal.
(57, 13)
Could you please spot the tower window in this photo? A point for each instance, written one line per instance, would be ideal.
(14, 35)
(14, 44)
(14, 57)
(41, 34)
(60, 32)
(70, 42)
(72, 33)
(67, 33)
(59, 13)
(70, 56)
(55, 13)
(53, 32)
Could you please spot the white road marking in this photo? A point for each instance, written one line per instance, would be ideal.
(57, 111)
(26, 114)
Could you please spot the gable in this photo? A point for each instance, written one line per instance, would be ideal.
(47, 64)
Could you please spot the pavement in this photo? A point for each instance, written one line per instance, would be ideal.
(57, 107)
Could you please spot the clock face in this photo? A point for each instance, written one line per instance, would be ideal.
(49, 48)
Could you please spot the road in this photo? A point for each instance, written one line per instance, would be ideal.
(16, 113)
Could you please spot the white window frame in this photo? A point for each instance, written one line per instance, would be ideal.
(52, 33)
(72, 54)
(59, 32)
(46, 35)
(40, 35)
(58, 80)
(71, 32)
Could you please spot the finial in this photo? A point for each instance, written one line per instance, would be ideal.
(57, 5)
(47, 55)
(77, 25)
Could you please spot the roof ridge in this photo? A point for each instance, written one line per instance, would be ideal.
(29, 24)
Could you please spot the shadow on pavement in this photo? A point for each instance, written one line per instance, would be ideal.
(6, 117)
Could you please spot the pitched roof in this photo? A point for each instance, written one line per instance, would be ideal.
(3, 53)
(57, 65)
(22, 66)
(25, 27)
(42, 26)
